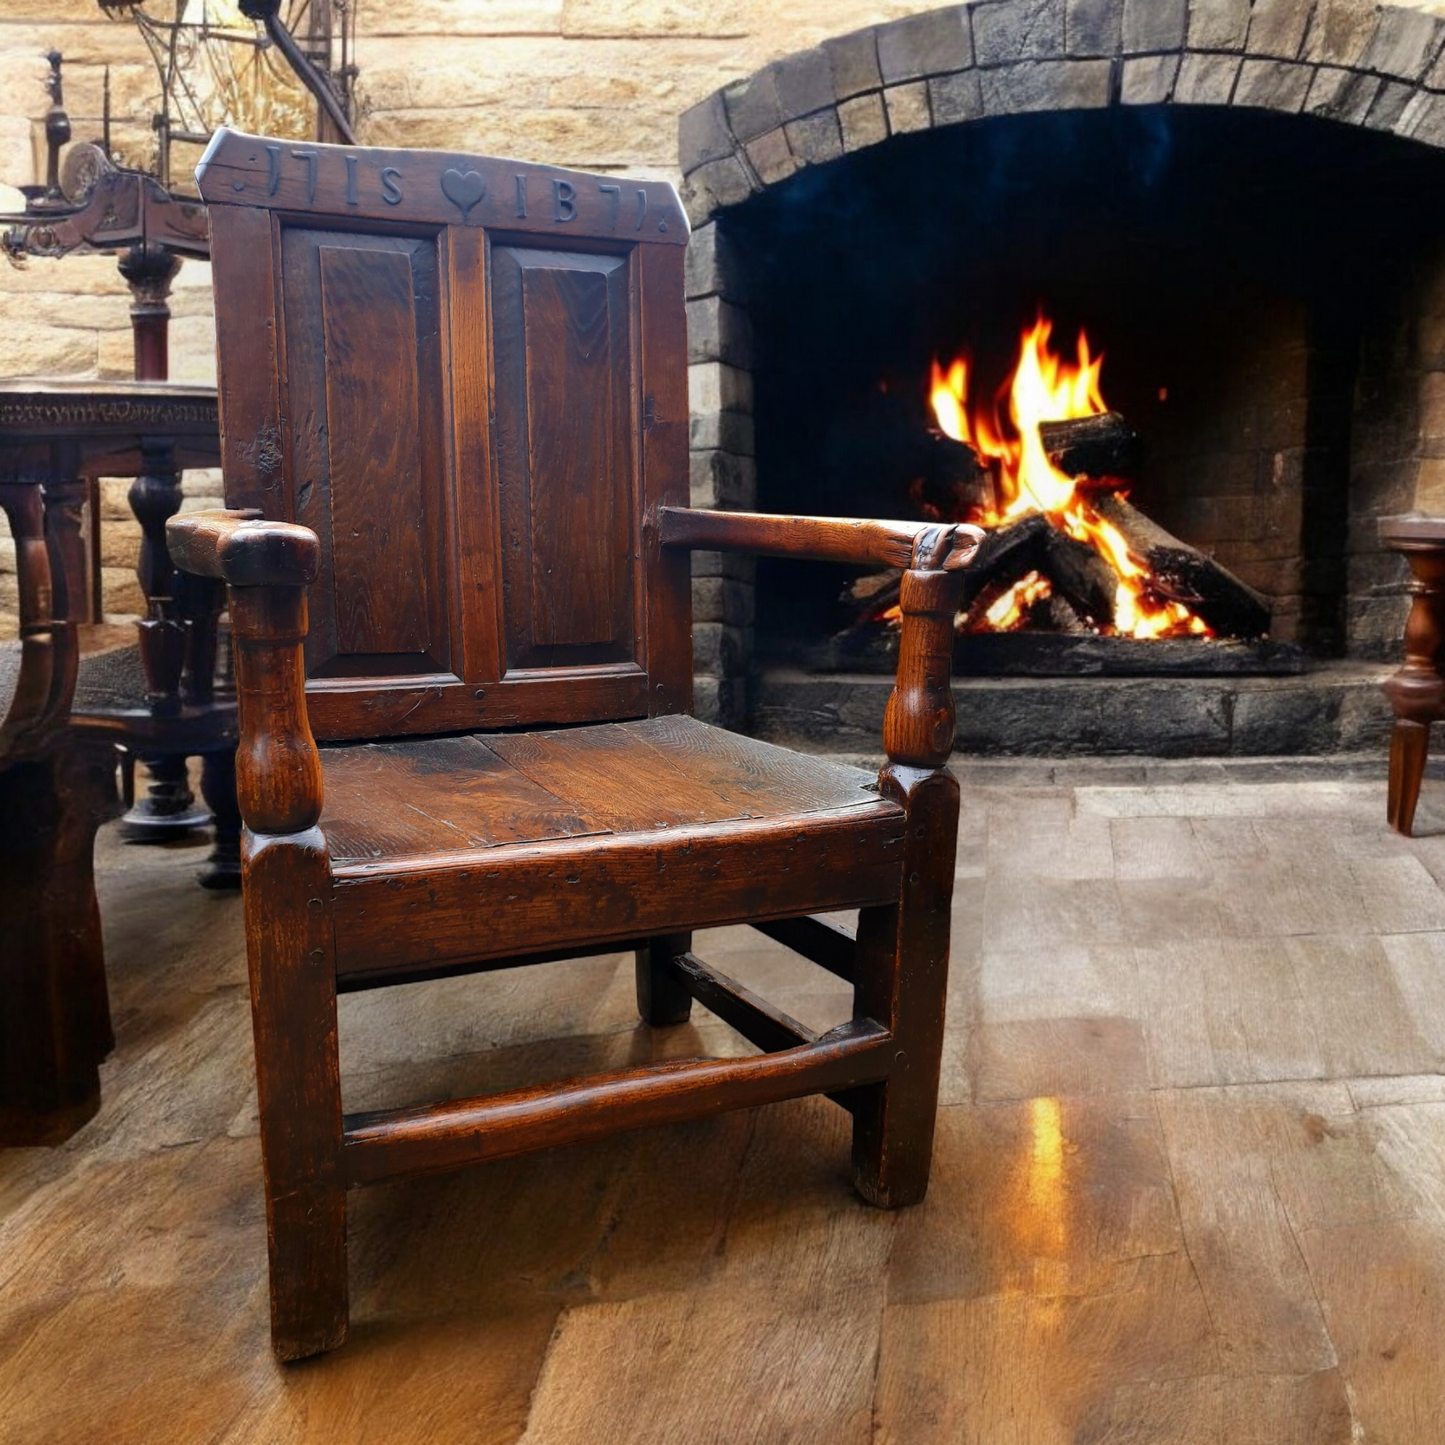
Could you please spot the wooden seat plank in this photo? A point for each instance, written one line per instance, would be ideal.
(433, 795)
(760, 777)
(609, 773)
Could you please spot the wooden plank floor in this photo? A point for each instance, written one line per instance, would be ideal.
(1190, 1179)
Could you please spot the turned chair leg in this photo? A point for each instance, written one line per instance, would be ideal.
(661, 999)
(218, 788)
(1409, 746)
(291, 950)
(902, 981)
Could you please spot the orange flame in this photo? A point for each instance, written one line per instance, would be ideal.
(1043, 388)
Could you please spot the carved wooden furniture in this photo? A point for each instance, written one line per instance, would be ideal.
(455, 422)
(69, 692)
(1417, 691)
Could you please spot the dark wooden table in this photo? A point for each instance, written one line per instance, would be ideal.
(57, 772)
(1417, 690)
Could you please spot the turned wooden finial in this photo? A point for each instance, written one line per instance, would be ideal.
(919, 724)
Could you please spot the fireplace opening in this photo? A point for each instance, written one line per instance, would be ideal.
(1250, 280)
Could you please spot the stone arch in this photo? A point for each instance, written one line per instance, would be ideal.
(1382, 67)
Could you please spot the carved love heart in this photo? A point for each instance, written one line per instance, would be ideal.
(463, 188)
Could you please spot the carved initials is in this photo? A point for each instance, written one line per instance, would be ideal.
(390, 191)
(614, 196)
(352, 199)
(564, 196)
(309, 157)
(641, 208)
(463, 189)
(273, 169)
(521, 196)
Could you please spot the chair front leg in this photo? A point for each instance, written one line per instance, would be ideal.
(902, 957)
(290, 945)
(661, 999)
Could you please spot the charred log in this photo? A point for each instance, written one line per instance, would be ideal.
(1007, 554)
(1081, 576)
(1092, 447)
(1183, 574)
(949, 480)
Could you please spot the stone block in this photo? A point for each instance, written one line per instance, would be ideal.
(1046, 85)
(718, 649)
(730, 431)
(1093, 27)
(1154, 25)
(120, 542)
(804, 83)
(36, 350)
(720, 701)
(908, 107)
(1340, 32)
(1423, 118)
(1006, 31)
(1277, 27)
(815, 139)
(721, 480)
(714, 186)
(114, 501)
(1206, 79)
(927, 44)
(956, 97)
(719, 331)
(771, 158)
(853, 60)
(120, 594)
(1389, 104)
(1406, 43)
(1273, 85)
(703, 134)
(753, 108)
(716, 599)
(735, 566)
(1343, 95)
(1218, 24)
(862, 121)
(1430, 486)
(1148, 79)
(714, 387)
(1432, 407)
(711, 267)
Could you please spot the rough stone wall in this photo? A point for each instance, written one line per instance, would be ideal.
(598, 84)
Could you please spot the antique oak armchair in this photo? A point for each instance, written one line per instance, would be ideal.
(454, 435)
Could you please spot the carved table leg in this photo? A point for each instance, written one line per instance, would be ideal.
(54, 1011)
(218, 788)
(169, 807)
(1417, 691)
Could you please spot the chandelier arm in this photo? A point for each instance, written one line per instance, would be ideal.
(311, 78)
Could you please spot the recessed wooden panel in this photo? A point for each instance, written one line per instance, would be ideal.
(374, 446)
(562, 330)
(363, 419)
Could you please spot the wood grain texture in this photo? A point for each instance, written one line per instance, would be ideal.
(243, 549)
(924, 545)
(592, 889)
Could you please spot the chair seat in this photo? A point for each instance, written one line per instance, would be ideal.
(586, 834)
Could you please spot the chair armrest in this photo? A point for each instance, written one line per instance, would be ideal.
(267, 566)
(244, 549)
(921, 546)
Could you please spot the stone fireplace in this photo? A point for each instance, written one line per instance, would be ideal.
(1238, 202)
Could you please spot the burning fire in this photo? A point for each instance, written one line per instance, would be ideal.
(1043, 388)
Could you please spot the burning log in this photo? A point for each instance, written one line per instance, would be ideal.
(1080, 576)
(1005, 556)
(1092, 447)
(949, 480)
(1183, 574)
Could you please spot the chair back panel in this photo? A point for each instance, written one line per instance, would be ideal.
(476, 396)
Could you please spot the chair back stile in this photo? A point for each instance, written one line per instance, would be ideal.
(466, 387)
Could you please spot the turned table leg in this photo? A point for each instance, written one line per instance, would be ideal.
(1417, 691)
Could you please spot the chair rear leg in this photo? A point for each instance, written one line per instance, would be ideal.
(902, 981)
(661, 999)
(290, 945)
